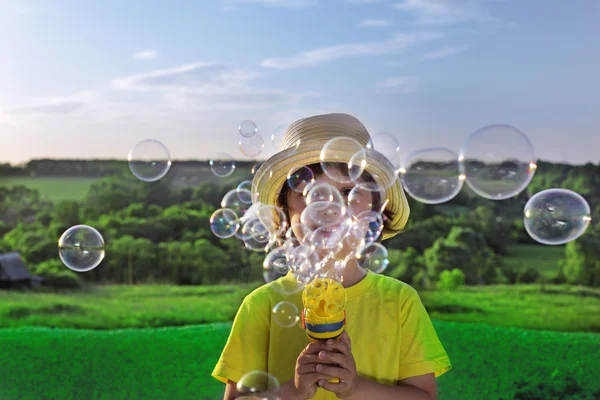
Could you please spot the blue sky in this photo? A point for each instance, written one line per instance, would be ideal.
(83, 79)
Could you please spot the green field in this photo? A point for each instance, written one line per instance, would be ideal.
(175, 363)
(543, 258)
(559, 308)
(53, 188)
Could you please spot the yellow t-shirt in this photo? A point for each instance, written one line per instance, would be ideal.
(391, 333)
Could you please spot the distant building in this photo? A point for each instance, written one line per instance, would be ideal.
(14, 273)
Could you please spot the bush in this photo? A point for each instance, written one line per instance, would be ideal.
(451, 280)
(56, 275)
(529, 275)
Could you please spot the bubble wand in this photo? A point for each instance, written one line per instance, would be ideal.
(324, 312)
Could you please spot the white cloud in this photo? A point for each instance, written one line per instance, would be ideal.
(56, 105)
(375, 23)
(208, 85)
(405, 84)
(443, 12)
(444, 52)
(331, 53)
(277, 3)
(145, 54)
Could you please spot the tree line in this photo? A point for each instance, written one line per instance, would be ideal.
(159, 232)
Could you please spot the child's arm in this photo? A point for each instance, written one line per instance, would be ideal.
(421, 387)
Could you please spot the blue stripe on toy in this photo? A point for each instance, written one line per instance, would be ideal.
(322, 328)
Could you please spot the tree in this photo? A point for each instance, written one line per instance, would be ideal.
(408, 265)
(465, 249)
(581, 263)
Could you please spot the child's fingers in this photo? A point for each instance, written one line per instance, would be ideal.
(316, 347)
(313, 359)
(340, 346)
(333, 357)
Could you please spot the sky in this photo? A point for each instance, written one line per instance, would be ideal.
(90, 79)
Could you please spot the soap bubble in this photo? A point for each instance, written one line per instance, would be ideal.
(224, 223)
(277, 137)
(299, 178)
(251, 146)
(499, 161)
(81, 248)
(343, 159)
(373, 256)
(286, 314)
(277, 260)
(386, 144)
(367, 196)
(556, 216)
(233, 201)
(149, 160)
(247, 128)
(222, 165)
(244, 191)
(433, 175)
(259, 384)
(255, 167)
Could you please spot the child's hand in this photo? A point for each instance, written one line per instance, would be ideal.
(307, 375)
(341, 365)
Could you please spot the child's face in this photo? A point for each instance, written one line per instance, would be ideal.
(296, 202)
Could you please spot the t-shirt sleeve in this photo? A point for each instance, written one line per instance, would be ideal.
(248, 343)
(421, 351)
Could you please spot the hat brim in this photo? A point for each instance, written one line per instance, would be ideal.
(272, 174)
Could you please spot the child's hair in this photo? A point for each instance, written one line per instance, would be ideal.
(317, 170)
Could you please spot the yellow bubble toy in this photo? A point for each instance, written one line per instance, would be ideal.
(324, 312)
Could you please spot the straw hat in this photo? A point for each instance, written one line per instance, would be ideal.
(302, 144)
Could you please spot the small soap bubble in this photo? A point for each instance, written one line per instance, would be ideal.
(286, 314)
(252, 146)
(373, 256)
(499, 161)
(81, 248)
(368, 196)
(224, 223)
(299, 178)
(556, 216)
(244, 191)
(432, 176)
(222, 165)
(149, 160)
(247, 128)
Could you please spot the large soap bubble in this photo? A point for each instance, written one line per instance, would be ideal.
(499, 161)
(556, 216)
(385, 143)
(432, 176)
(259, 385)
(343, 159)
(81, 248)
(252, 146)
(149, 160)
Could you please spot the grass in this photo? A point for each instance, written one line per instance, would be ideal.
(175, 363)
(559, 308)
(118, 307)
(543, 258)
(53, 188)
